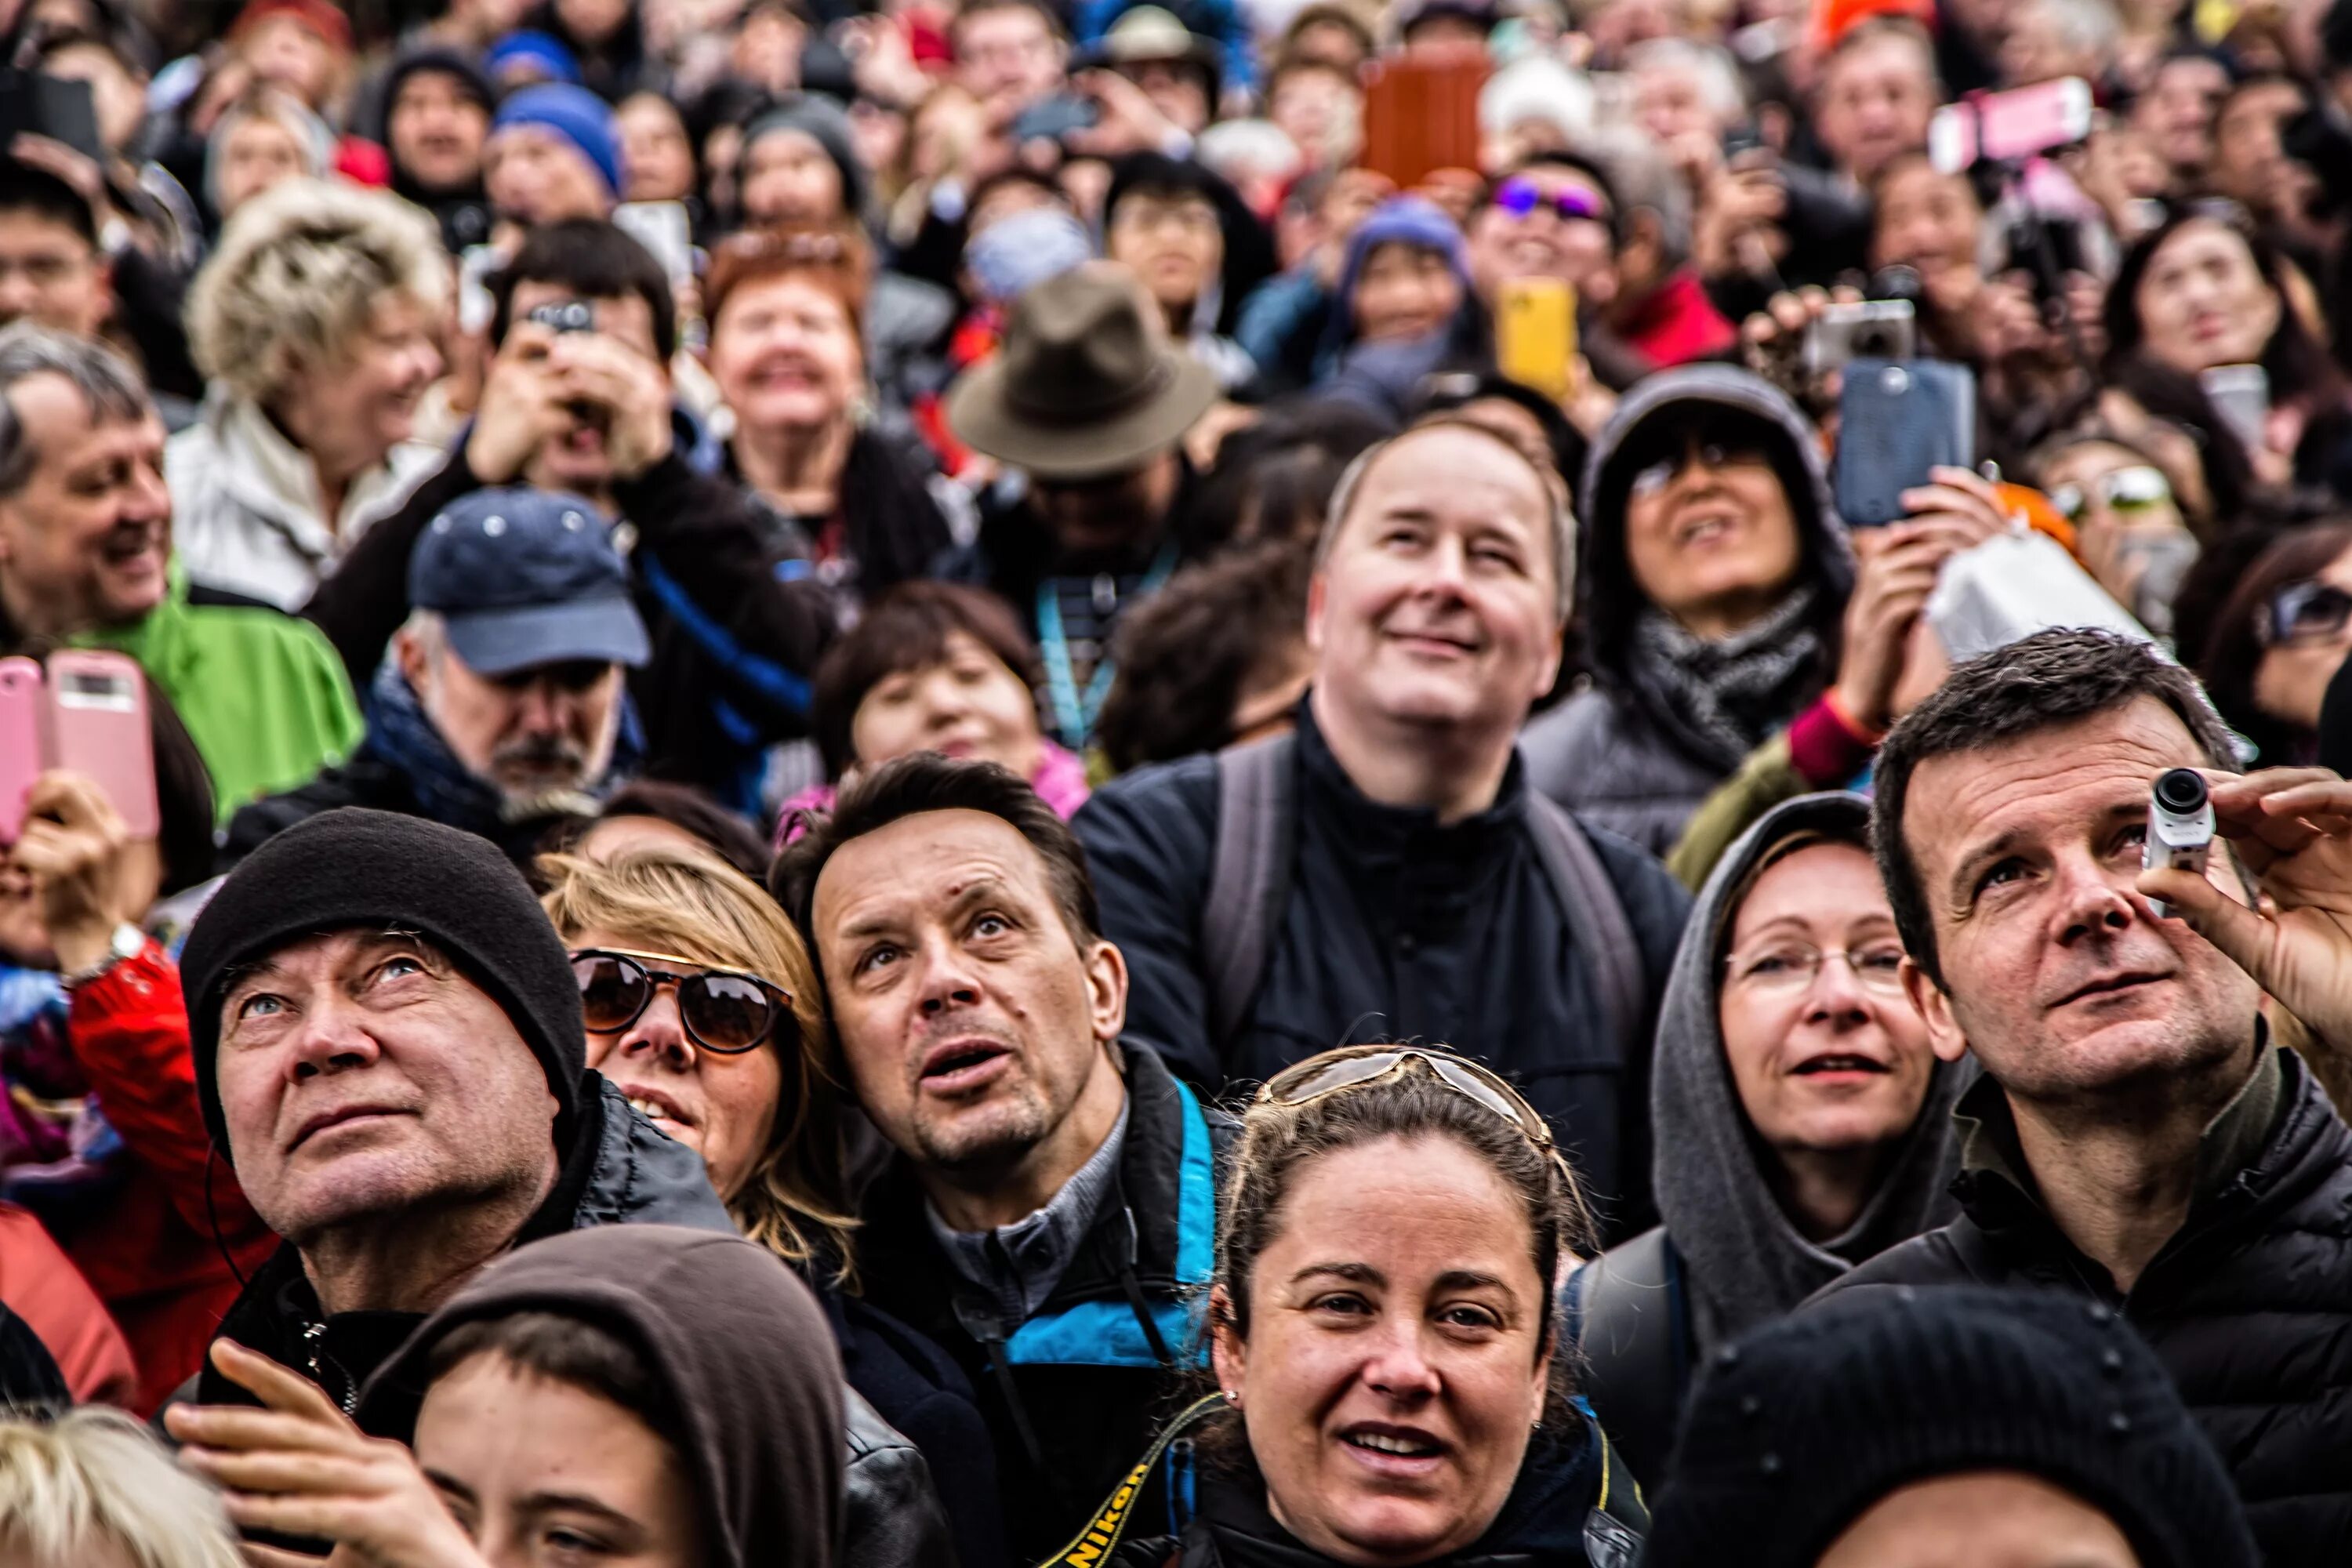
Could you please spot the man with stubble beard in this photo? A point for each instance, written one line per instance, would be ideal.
(1050, 1207)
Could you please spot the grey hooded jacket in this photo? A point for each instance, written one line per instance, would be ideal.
(1728, 1256)
(1616, 753)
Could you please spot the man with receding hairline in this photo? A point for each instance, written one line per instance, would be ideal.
(1385, 871)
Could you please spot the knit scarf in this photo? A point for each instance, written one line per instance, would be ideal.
(402, 736)
(1724, 696)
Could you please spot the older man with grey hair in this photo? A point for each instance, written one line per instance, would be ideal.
(1385, 871)
(86, 558)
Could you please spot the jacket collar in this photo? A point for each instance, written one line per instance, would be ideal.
(1386, 839)
(1136, 1223)
(268, 473)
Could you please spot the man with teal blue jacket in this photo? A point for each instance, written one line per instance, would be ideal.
(1048, 1212)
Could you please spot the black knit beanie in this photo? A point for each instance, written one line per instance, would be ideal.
(1796, 1430)
(353, 867)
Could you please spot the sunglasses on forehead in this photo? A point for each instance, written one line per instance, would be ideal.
(1521, 197)
(721, 1010)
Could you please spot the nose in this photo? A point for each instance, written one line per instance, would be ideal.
(539, 707)
(2090, 902)
(146, 499)
(659, 1033)
(1836, 995)
(948, 981)
(331, 1039)
(1398, 1367)
(17, 295)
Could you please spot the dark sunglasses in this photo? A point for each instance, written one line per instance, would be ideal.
(1521, 197)
(2300, 610)
(1311, 1080)
(723, 1010)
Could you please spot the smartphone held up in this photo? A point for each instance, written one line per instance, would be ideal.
(86, 713)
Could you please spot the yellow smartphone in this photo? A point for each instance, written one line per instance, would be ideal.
(1534, 335)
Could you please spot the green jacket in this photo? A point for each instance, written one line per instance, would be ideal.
(1764, 780)
(262, 694)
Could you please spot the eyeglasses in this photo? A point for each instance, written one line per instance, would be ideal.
(1788, 968)
(2301, 610)
(723, 1010)
(1311, 1080)
(2127, 490)
(1521, 197)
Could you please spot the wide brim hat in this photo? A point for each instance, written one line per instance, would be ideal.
(1086, 384)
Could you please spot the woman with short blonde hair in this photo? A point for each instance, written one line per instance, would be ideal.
(317, 324)
(92, 1487)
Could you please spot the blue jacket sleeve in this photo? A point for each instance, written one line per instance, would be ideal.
(1149, 837)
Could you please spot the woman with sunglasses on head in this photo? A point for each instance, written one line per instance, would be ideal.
(2129, 532)
(2278, 640)
(702, 1008)
(1802, 1121)
(1724, 627)
(1390, 1383)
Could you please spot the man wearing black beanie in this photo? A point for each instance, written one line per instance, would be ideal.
(2034, 1428)
(388, 1051)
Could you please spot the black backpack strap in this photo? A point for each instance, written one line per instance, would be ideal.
(1632, 1330)
(1595, 915)
(1249, 875)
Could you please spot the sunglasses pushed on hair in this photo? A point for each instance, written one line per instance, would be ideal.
(722, 1010)
(1312, 1080)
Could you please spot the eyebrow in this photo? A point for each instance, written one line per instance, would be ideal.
(1972, 865)
(576, 1503)
(1355, 1273)
(880, 922)
(1471, 1280)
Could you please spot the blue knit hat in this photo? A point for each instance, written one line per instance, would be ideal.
(574, 113)
(1400, 220)
(543, 51)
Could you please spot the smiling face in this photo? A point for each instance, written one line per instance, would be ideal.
(1437, 603)
(541, 1472)
(86, 539)
(967, 705)
(361, 1075)
(785, 355)
(353, 408)
(2056, 972)
(1928, 220)
(719, 1104)
(2203, 300)
(1709, 533)
(972, 1020)
(1404, 293)
(1397, 1352)
(1539, 241)
(1837, 1059)
(1875, 101)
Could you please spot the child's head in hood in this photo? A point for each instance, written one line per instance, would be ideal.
(673, 1394)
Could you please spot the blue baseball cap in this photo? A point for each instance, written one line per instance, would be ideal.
(526, 577)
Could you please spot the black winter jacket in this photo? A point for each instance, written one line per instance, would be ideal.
(2249, 1305)
(737, 621)
(1396, 929)
(1074, 1394)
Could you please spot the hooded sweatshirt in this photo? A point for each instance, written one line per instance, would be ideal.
(1738, 1258)
(734, 1340)
(1632, 752)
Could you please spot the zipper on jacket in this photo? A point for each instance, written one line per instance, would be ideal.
(314, 1337)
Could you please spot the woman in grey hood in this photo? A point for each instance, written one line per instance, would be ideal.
(1802, 1121)
(1714, 585)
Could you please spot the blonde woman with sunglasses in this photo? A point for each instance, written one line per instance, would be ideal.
(702, 1008)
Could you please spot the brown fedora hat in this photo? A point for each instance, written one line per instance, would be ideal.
(1086, 383)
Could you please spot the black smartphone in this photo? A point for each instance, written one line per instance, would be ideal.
(52, 106)
(1896, 422)
(1051, 118)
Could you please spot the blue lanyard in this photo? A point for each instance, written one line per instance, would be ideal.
(1075, 712)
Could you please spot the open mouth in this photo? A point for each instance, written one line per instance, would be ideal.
(1395, 1450)
(1839, 1062)
(125, 546)
(962, 1065)
(655, 1105)
(1707, 528)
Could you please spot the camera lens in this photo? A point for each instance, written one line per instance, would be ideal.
(2181, 791)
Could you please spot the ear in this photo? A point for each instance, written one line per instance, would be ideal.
(1318, 594)
(1228, 1351)
(414, 663)
(1552, 656)
(1950, 1041)
(1106, 990)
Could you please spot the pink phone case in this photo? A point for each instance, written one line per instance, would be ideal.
(97, 725)
(20, 741)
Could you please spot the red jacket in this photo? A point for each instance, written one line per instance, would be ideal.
(153, 1256)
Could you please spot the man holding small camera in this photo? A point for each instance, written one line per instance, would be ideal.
(2138, 1136)
(579, 399)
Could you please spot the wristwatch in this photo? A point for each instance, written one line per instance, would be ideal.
(126, 942)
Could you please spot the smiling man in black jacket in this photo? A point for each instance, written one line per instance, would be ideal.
(2138, 1138)
(1387, 872)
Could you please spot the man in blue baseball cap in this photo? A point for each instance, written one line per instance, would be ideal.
(501, 705)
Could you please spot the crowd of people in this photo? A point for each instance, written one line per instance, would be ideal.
(1211, 785)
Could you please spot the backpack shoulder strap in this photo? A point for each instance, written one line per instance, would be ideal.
(1595, 914)
(1248, 876)
(1629, 1332)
